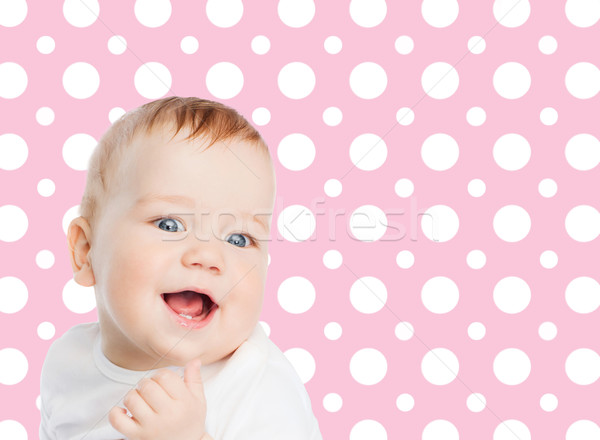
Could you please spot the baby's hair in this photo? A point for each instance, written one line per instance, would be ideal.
(209, 120)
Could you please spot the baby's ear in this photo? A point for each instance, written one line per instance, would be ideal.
(78, 236)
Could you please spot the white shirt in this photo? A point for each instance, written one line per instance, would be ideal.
(255, 394)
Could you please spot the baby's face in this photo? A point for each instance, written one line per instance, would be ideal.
(211, 236)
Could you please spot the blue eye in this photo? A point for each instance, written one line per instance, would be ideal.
(169, 224)
(239, 240)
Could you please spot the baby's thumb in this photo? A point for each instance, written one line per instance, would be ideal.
(193, 378)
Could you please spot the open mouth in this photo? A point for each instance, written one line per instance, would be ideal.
(190, 305)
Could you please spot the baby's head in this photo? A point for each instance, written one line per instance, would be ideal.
(178, 198)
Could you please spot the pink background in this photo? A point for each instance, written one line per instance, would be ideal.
(368, 386)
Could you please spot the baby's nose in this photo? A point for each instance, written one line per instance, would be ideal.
(204, 253)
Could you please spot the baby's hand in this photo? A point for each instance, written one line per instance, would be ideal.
(164, 407)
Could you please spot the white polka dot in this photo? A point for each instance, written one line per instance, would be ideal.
(265, 327)
(368, 366)
(77, 150)
(13, 295)
(439, 13)
(115, 114)
(547, 45)
(512, 80)
(13, 223)
(583, 80)
(368, 223)
(512, 152)
(405, 259)
(368, 295)
(368, 152)
(44, 259)
(476, 331)
(152, 80)
(440, 223)
(440, 152)
(405, 116)
(368, 80)
(13, 430)
(260, 45)
(332, 402)
(476, 402)
(77, 298)
(512, 366)
(405, 402)
(439, 366)
(548, 259)
(547, 331)
(476, 259)
(44, 116)
(296, 223)
(12, 13)
(224, 80)
(368, 13)
(476, 45)
(333, 44)
(548, 402)
(512, 429)
(440, 429)
(45, 45)
(583, 430)
(81, 80)
(46, 187)
(333, 188)
(152, 13)
(476, 116)
(440, 80)
(81, 13)
(440, 295)
(547, 188)
(512, 13)
(548, 116)
(46, 330)
(583, 295)
(404, 188)
(13, 151)
(261, 116)
(224, 13)
(404, 45)
(189, 45)
(13, 366)
(583, 223)
(512, 223)
(333, 331)
(296, 152)
(332, 116)
(295, 13)
(117, 44)
(296, 295)
(332, 259)
(296, 80)
(13, 80)
(69, 216)
(583, 152)
(476, 187)
(268, 259)
(302, 361)
(512, 295)
(404, 330)
(368, 430)
(583, 366)
(583, 13)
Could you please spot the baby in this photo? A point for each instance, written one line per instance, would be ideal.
(173, 233)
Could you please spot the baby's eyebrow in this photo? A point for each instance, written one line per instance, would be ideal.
(174, 199)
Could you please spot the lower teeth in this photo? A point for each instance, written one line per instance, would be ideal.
(185, 316)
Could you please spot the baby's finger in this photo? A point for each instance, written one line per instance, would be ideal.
(154, 395)
(119, 420)
(171, 383)
(193, 378)
(137, 406)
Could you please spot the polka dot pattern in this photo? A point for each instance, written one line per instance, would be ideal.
(436, 228)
